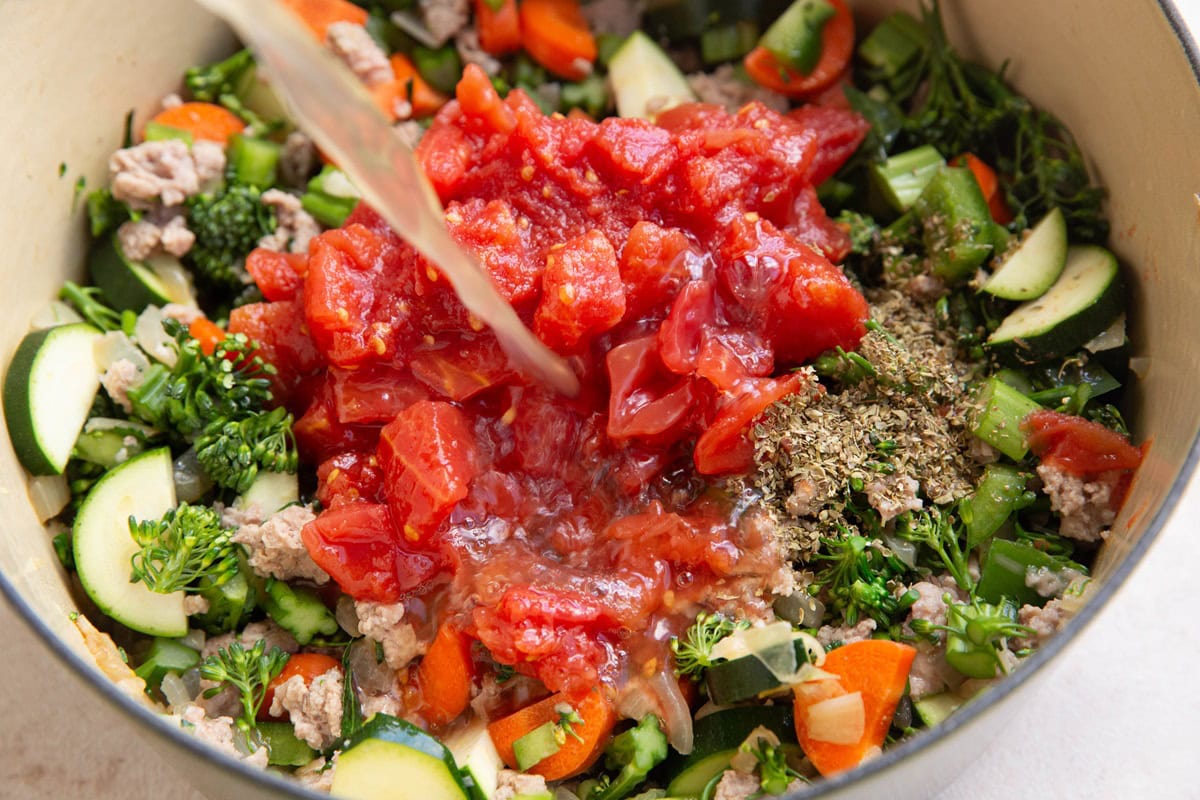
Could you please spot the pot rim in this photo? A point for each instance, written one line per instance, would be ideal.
(973, 712)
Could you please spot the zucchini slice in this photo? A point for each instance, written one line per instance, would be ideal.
(144, 488)
(48, 392)
(745, 678)
(645, 80)
(1029, 270)
(716, 739)
(391, 759)
(127, 284)
(933, 709)
(1083, 302)
(474, 750)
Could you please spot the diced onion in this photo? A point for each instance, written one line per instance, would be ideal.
(1110, 338)
(57, 313)
(175, 691)
(838, 720)
(152, 338)
(49, 495)
(194, 639)
(677, 717)
(773, 645)
(337, 184)
(116, 346)
(175, 278)
(191, 481)
(904, 550)
(415, 28)
(1140, 366)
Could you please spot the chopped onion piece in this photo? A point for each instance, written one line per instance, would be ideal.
(153, 339)
(191, 481)
(337, 184)
(407, 22)
(57, 313)
(175, 278)
(116, 346)
(175, 691)
(677, 717)
(1110, 338)
(773, 645)
(838, 720)
(904, 550)
(49, 495)
(1140, 366)
(194, 639)
(810, 673)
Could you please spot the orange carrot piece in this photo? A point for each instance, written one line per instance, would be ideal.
(408, 87)
(307, 665)
(208, 333)
(499, 31)
(318, 15)
(837, 45)
(202, 120)
(445, 675)
(879, 670)
(574, 756)
(989, 184)
(555, 33)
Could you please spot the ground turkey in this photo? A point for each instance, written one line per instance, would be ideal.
(1084, 506)
(276, 549)
(382, 622)
(314, 708)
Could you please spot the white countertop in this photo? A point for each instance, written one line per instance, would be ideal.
(1116, 719)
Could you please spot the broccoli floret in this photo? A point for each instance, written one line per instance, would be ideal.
(200, 389)
(228, 82)
(105, 212)
(775, 775)
(693, 653)
(228, 225)
(233, 452)
(938, 532)
(88, 301)
(635, 752)
(856, 579)
(188, 549)
(248, 671)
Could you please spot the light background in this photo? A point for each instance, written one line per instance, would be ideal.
(1117, 718)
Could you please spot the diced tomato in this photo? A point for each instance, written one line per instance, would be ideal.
(462, 367)
(582, 294)
(726, 447)
(492, 233)
(372, 394)
(357, 545)
(319, 433)
(429, 458)
(682, 333)
(282, 339)
(646, 402)
(728, 356)
(279, 276)
(350, 477)
(1078, 446)
(839, 133)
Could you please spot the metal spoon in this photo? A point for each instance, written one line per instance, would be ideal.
(333, 107)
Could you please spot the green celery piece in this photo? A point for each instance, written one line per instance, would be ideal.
(284, 748)
(1002, 409)
(254, 161)
(903, 177)
(157, 132)
(165, 655)
(535, 746)
(1005, 566)
(893, 45)
(795, 38)
(727, 42)
(997, 496)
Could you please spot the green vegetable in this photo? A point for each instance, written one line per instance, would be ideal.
(392, 759)
(956, 222)
(105, 212)
(233, 451)
(127, 284)
(536, 746)
(716, 739)
(1031, 268)
(285, 749)
(233, 84)
(199, 389)
(856, 578)
(1002, 409)
(902, 178)
(297, 610)
(975, 634)
(589, 94)
(248, 671)
(774, 774)
(186, 547)
(229, 604)
(88, 301)
(937, 532)
(634, 752)
(441, 68)
(165, 655)
(934, 709)
(693, 653)
(1001, 491)
(1003, 574)
(746, 678)
(728, 42)
(328, 209)
(156, 132)
(253, 161)
(892, 46)
(228, 224)
(795, 38)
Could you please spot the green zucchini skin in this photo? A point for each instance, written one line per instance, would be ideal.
(715, 739)
(391, 759)
(1032, 267)
(744, 678)
(48, 391)
(128, 285)
(1087, 297)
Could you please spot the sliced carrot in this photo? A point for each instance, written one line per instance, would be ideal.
(307, 665)
(837, 45)
(989, 184)
(202, 120)
(445, 675)
(408, 87)
(208, 333)
(575, 755)
(318, 15)
(499, 30)
(879, 670)
(555, 33)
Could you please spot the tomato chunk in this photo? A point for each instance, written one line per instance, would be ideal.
(582, 294)
(429, 459)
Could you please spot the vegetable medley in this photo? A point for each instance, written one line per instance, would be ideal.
(848, 439)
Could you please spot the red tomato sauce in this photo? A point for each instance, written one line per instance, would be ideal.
(682, 268)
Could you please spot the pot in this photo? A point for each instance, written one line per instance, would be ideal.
(1091, 66)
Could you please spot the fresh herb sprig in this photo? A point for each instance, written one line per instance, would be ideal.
(187, 550)
(248, 671)
(693, 651)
